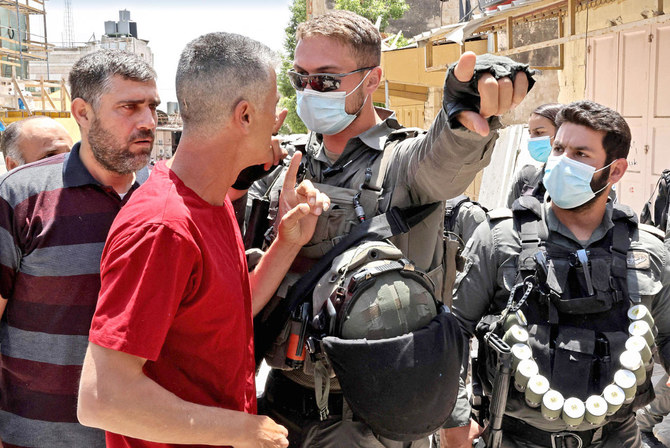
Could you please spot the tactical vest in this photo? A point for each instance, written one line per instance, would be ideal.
(455, 242)
(577, 316)
(349, 206)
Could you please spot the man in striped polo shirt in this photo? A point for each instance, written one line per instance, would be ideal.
(32, 139)
(54, 217)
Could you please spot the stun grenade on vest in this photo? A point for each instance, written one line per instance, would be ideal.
(295, 351)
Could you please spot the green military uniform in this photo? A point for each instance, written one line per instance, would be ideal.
(430, 167)
(483, 288)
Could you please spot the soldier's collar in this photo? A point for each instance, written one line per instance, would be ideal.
(554, 225)
(376, 136)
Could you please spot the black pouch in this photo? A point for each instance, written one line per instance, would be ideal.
(574, 359)
(609, 346)
(540, 343)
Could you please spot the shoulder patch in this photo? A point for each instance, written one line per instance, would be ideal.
(653, 230)
(638, 259)
(499, 213)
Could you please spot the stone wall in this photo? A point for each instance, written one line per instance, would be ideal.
(423, 15)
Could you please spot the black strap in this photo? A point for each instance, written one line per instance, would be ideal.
(530, 433)
(527, 211)
(662, 202)
(394, 222)
(451, 211)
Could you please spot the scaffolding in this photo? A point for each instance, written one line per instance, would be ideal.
(19, 96)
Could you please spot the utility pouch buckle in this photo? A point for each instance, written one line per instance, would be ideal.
(558, 439)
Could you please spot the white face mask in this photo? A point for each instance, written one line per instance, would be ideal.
(324, 112)
(568, 181)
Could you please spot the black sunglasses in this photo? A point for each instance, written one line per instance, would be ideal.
(320, 82)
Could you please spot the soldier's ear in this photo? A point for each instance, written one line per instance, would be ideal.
(373, 80)
(617, 170)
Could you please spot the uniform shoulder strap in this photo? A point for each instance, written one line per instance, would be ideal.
(652, 230)
(623, 212)
(532, 229)
(499, 213)
(378, 171)
(625, 223)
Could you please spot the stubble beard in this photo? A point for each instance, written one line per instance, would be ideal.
(596, 184)
(357, 108)
(115, 156)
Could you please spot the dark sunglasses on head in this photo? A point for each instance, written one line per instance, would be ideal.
(321, 82)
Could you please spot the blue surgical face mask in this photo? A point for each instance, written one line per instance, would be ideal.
(540, 148)
(324, 112)
(568, 181)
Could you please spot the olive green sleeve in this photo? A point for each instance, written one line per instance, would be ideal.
(476, 287)
(440, 164)
(473, 294)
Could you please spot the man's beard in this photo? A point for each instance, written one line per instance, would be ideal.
(114, 155)
(361, 98)
(598, 184)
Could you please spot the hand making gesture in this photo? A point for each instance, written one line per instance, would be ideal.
(299, 206)
(496, 96)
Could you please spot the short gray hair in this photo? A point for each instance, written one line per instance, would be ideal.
(90, 76)
(218, 70)
(11, 136)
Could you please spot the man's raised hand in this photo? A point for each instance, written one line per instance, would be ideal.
(496, 96)
(299, 207)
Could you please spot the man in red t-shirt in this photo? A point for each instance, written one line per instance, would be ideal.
(170, 359)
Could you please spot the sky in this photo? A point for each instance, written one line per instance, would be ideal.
(169, 25)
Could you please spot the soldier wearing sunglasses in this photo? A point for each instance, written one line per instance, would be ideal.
(362, 158)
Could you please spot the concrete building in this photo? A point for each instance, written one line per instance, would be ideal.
(121, 35)
(165, 144)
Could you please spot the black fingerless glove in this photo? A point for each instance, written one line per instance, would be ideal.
(464, 96)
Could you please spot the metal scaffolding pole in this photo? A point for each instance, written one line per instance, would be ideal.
(18, 26)
(46, 41)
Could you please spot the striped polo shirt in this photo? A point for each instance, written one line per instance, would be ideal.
(54, 219)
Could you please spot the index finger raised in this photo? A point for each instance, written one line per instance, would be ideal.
(292, 172)
(279, 120)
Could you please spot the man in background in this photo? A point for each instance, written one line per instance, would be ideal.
(32, 139)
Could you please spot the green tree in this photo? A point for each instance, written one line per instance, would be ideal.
(372, 9)
(293, 124)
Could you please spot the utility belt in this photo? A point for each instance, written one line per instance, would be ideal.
(289, 397)
(558, 439)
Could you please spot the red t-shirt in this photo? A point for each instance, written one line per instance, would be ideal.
(175, 290)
